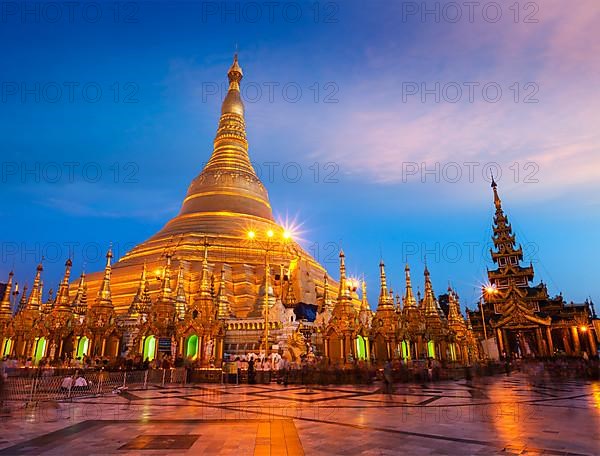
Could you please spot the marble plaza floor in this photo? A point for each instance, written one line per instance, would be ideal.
(500, 415)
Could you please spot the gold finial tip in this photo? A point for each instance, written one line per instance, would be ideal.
(235, 70)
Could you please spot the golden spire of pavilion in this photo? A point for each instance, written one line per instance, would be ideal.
(409, 300)
(384, 295)
(454, 315)
(5, 308)
(497, 200)
(180, 296)
(80, 301)
(141, 301)
(62, 297)
(23, 300)
(35, 298)
(166, 292)
(343, 291)
(364, 303)
(104, 298)
(429, 301)
(205, 277)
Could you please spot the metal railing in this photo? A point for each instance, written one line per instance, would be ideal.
(81, 383)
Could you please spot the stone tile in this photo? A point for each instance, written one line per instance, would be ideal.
(496, 416)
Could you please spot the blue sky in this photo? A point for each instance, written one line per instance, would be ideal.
(399, 112)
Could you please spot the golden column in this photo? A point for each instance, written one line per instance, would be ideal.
(576, 343)
(550, 343)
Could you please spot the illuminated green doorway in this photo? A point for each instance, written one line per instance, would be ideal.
(192, 348)
(149, 348)
(40, 349)
(405, 350)
(7, 347)
(431, 349)
(82, 347)
(361, 348)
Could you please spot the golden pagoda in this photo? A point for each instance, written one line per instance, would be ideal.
(223, 204)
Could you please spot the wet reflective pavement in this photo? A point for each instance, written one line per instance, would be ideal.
(500, 415)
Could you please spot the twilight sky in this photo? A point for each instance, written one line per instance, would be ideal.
(379, 121)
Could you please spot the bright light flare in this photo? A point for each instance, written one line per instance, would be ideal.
(251, 234)
(270, 233)
(290, 229)
(489, 289)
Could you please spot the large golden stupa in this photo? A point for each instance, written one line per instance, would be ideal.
(223, 204)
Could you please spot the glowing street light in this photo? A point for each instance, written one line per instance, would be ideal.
(251, 234)
(491, 289)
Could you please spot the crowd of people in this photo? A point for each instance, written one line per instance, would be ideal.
(257, 368)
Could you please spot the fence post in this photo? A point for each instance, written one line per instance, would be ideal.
(124, 378)
(73, 378)
(99, 382)
(33, 389)
(163, 377)
(146, 379)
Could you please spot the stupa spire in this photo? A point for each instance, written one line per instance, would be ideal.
(62, 298)
(180, 296)
(104, 298)
(454, 315)
(205, 277)
(343, 291)
(141, 301)
(23, 300)
(35, 298)
(409, 300)
(364, 303)
(80, 301)
(166, 292)
(429, 301)
(5, 308)
(497, 200)
(384, 295)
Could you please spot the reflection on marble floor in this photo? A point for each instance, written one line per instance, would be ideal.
(502, 415)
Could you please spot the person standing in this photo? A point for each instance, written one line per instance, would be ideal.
(251, 372)
(388, 380)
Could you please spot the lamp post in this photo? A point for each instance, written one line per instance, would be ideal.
(266, 245)
(483, 319)
(487, 291)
